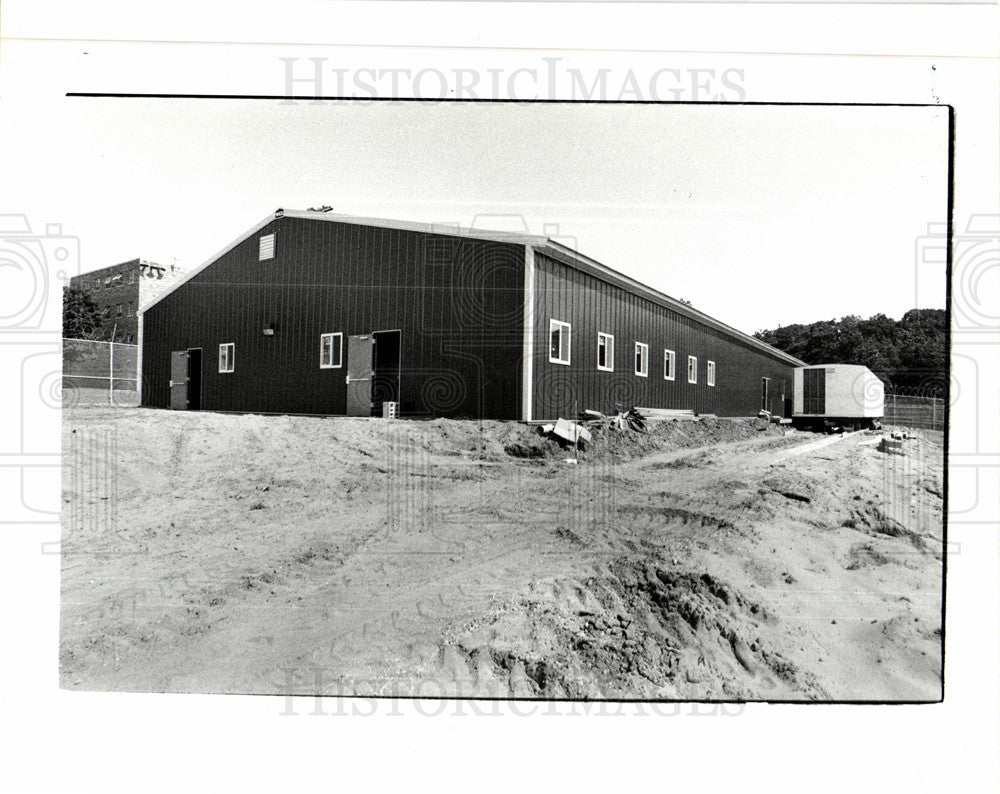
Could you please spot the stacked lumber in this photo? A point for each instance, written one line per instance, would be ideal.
(669, 413)
(631, 419)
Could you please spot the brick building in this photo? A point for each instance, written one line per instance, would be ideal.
(119, 290)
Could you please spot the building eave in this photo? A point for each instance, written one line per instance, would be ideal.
(515, 238)
(204, 265)
(447, 229)
(585, 264)
(541, 244)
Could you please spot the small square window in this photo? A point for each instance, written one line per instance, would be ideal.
(266, 247)
(227, 357)
(605, 352)
(710, 373)
(641, 359)
(331, 347)
(692, 369)
(669, 365)
(559, 342)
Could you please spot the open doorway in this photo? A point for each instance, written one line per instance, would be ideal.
(385, 381)
(194, 379)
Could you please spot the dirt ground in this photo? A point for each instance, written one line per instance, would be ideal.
(718, 559)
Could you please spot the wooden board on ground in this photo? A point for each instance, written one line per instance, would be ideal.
(667, 413)
(571, 431)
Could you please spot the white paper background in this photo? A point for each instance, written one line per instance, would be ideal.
(54, 740)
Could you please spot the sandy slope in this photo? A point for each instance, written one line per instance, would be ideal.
(711, 559)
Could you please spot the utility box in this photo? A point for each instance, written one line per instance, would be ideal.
(390, 410)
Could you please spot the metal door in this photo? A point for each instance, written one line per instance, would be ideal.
(179, 380)
(359, 374)
(814, 391)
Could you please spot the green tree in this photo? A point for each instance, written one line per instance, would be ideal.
(81, 317)
(909, 354)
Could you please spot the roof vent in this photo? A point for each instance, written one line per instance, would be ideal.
(324, 208)
(279, 212)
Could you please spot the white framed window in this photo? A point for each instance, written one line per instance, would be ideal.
(227, 356)
(266, 247)
(642, 359)
(710, 374)
(605, 352)
(692, 369)
(559, 341)
(669, 364)
(331, 350)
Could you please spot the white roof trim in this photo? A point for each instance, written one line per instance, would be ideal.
(575, 259)
(192, 273)
(385, 223)
(455, 230)
(541, 243)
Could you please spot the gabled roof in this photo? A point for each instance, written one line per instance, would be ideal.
(453, 230)
(542, 244)
(383, 223)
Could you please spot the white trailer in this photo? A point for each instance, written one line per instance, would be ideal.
(836, 395)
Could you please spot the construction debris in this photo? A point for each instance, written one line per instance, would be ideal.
(579, 432)
(571, 432)
(891, 446)
(668, 413)
(624, 420)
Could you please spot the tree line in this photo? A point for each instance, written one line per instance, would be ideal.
(909, 355)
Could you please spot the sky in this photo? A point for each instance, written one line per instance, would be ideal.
(759, 215)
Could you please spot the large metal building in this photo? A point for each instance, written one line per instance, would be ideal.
(317, 313)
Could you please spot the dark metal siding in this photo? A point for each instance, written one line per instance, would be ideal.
(457, 302)
(591, 305)
(814, 391)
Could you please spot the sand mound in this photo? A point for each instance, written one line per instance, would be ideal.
(710, 559)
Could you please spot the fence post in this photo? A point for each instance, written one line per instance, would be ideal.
(111, 375)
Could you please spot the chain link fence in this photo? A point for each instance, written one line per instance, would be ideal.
(913, 410)
(100, 373)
